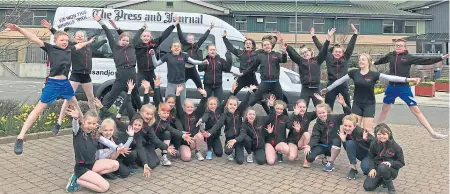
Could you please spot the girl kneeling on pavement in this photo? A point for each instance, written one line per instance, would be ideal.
(255, 126)
(86, 138)
(232, 120)
(385, 160)
(324, 138)
(356, 141)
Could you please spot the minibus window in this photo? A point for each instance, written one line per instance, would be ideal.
(239, 45)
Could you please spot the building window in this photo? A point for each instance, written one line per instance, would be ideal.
(399, 26)
(26, 18)
(292, 25)
(169, 4)
(319, 24)
(241, 23)
(271, 24)
(355, 22)
(388, 26)
(307, 24)
(410, 27)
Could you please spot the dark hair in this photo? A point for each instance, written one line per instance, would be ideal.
(136, 117)
(252, 41)
(383, 128)
(170, 96)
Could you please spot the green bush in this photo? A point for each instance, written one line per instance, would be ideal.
(425, 84)
(14, 113)
(442, 80)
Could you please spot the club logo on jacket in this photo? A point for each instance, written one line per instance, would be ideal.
(274, 57)
(331, 124)
(390, 152)
(180, 58)
(368, 79)
(403, 59)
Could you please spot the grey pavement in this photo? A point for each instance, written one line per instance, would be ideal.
(46, 164)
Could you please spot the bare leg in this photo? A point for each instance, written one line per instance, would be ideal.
(367, 123)
(421, 118)
(334, 153)
(270, 154)
(104, 166)
(32, 118)
(293, 152)
(185, 152)
(383, 114)
(93, 181)
(88, 89)
(359, 120)
(283, 148)
(65, 104)
(198, 141)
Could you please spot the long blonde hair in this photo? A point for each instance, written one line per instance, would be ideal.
(106, 122)
(352, 118)
(369, 59)
(150, 107)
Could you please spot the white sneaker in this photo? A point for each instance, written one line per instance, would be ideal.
(231, 157)
(250, 158)
(165, 161)
(199, 156)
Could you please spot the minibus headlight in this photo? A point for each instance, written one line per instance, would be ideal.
(295, 79)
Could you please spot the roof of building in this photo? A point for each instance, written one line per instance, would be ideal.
(369, 9)
(429, 36)
(45, 4)
(415, 4)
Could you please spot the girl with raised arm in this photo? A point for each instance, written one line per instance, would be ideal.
(309, 68)
(59, 56)
(364, 96)
(192, 48)
(125, 61)
(81, 69)
(213, 72)
(86, 138)
(175, 62)
(337, 66)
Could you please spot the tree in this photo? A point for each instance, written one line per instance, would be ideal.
(11, 46)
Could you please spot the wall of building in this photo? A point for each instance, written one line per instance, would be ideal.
(440, 22)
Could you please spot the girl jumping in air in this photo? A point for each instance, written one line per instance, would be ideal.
(57, 84)
(175, 62)
(364, 96)
(213, 72)
(192, 48)
(337, 66)
(125, 60)
(309, 68)
(81, 69)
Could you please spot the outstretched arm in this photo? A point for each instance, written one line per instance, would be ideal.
(230, 46)
(202, 39)
(156, 62)
(351, 44)
(32, 37)
(338, 82)
(425, 60)
(165, 34)
(315, 39)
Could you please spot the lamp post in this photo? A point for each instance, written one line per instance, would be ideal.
(296, 27)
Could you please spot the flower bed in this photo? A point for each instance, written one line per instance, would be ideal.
(14, 113)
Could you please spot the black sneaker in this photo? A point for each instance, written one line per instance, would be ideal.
(280, 157)
(18, 146)
(56, 129)
(352, 174)
(109, 176)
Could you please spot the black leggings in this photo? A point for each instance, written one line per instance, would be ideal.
(192, 73)
(318, 150)
(218, 92)
(146, 75)
(245, 81)
(260, 156)
(330, 97)
(308, 93)
(263, 88)
(152, 157)
(213, 142)
(238, 150)
(384, 172)
(120, 85)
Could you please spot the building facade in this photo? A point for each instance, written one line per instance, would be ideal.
(378, 23)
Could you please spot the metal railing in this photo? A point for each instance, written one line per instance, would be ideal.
(35, 54)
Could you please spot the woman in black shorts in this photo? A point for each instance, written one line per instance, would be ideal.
(364, 96)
